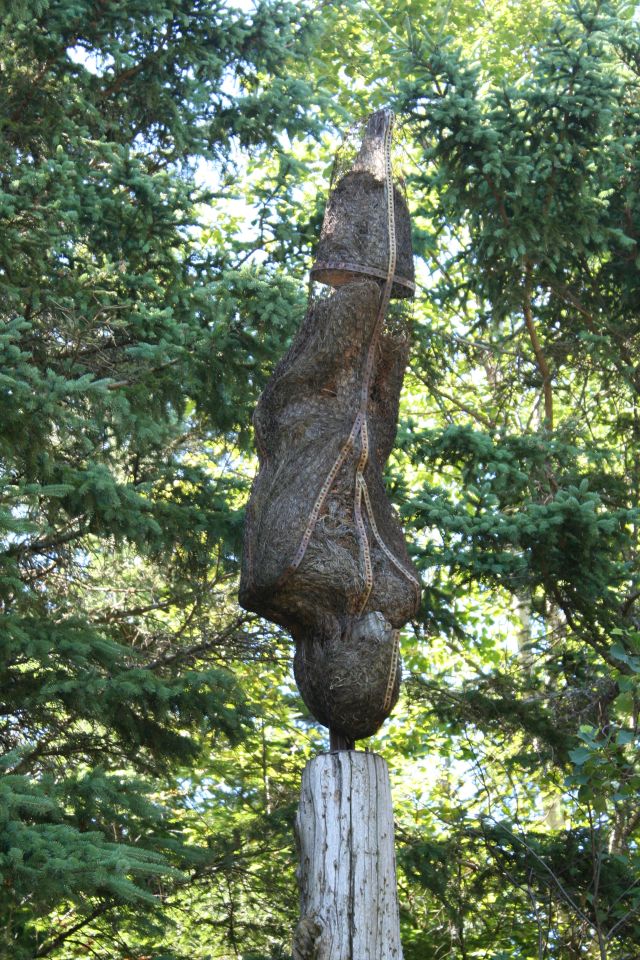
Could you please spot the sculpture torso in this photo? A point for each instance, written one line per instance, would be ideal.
(324, 551)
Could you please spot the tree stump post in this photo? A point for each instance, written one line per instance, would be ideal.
(347, 871)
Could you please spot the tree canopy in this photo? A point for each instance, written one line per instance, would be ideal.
(162, 178)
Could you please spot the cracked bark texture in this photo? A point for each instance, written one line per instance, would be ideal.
(347, 873)
(345, 637)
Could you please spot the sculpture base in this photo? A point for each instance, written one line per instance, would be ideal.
(347, 872)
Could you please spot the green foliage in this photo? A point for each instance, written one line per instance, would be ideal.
(131, 355)
(525, 490)
(161, 187)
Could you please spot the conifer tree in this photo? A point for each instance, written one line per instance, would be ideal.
(531, 200)
(134, 821)
(120, 343)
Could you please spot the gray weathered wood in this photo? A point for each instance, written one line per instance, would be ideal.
(347, 872)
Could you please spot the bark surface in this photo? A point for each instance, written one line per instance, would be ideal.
(324, 553)
(343, 661)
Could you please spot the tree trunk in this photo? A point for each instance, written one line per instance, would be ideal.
(347, 873)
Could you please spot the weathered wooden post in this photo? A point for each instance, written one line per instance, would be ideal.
(324, 552)
(347, 872)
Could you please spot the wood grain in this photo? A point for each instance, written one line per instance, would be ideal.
(347, 872)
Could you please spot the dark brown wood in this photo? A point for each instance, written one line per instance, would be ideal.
(324, 553)
(339, 742)
(343, 653)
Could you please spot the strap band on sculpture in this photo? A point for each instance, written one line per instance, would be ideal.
(319, 502)
(374, 527)
(393, 669)
(350, 267)
(384, 303)
(357, 514)
(360, 426)
(370, 362)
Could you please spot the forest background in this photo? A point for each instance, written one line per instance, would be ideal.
(163, 171)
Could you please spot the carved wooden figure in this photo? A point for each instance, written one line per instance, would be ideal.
(324, 552)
